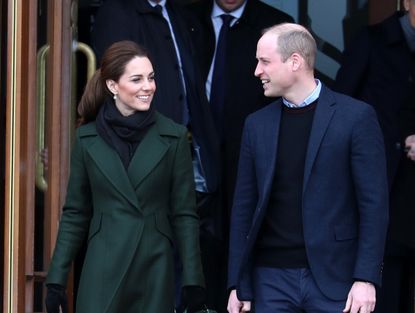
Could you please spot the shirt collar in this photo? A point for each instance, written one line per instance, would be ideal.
(307, 101)
(161, 3)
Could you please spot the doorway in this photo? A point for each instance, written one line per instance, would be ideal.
(39, 87)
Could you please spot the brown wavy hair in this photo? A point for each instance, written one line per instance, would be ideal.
(113, 64)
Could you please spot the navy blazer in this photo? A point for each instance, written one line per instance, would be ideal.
(345, 198)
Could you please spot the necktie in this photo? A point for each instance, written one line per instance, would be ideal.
(218, 86)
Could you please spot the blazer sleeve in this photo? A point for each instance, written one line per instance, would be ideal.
(76, 216)
(185, 220)
(369, 177)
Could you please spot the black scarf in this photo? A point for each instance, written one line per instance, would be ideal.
(123, 133)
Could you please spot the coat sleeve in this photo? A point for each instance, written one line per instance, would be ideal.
(185, 220)
(74, 223)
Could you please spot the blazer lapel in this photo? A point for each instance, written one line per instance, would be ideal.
(324, 112)
(148, 154)
(111, 166)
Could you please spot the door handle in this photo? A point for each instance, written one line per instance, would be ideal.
(90, 57)
(90, 70)
(40, 179)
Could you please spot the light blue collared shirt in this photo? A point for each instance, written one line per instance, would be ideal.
(200, 180)
(307, 101)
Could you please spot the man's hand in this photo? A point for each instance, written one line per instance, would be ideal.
(361, 298)
(236, 306)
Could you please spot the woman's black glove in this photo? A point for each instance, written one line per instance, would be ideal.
(193, 298)
(55, 298)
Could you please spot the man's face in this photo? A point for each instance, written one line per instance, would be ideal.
(276, 75)
(410, 7)
(229, 5)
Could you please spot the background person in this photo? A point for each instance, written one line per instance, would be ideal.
(241, 95)
(378, 67)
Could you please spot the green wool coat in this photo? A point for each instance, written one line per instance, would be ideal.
(131, 219)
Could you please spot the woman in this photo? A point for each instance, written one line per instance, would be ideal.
(130, 194)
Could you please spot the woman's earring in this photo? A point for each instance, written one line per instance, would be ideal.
(115, 96)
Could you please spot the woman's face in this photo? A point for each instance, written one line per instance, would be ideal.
(135, 88)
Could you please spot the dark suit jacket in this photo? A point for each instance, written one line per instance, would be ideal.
(136, 20)
(379, 69)
(131, 219)
(345, 199)
(244, 93)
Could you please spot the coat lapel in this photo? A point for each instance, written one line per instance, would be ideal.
(148, 154)
(322, 116)
(111, 166)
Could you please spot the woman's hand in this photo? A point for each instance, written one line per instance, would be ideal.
(56, 298)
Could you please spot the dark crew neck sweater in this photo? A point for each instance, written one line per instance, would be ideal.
(280, 242)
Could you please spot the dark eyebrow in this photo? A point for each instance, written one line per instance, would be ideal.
(140, 75)
(136, 76)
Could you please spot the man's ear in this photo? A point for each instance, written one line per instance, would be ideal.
(296, 61)
(112, 86)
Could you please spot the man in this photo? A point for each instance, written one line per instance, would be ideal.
(242, 94)
(379, 68)
(310, 210)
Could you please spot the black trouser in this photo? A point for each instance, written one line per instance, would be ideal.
(397, 291)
